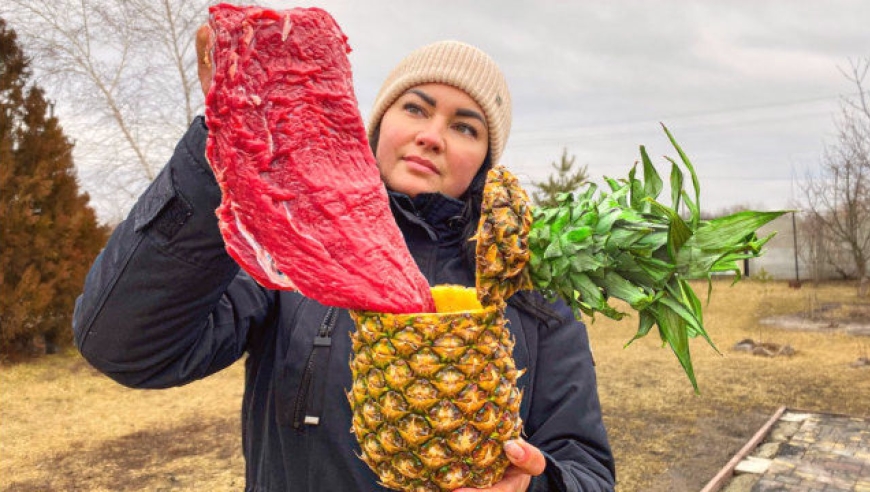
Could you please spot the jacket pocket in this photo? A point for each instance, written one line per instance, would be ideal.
(308, 405)
(162, 208)
(302, 365)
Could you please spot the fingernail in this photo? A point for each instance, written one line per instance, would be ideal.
(514, 450)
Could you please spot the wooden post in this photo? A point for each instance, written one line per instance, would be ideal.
(727, 472)
(797, 272)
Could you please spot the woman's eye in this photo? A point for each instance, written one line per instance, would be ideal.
(467, 129)
(413, 108)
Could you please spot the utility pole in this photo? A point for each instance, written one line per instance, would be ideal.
(797, 273)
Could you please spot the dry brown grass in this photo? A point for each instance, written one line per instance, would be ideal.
(65, 427)
(667, 438)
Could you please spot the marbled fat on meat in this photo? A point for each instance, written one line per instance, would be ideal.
(303, 205)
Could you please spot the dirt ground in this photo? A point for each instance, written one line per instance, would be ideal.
(65, 427)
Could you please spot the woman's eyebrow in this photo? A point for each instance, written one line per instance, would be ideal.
(468, 113)
(425, 97)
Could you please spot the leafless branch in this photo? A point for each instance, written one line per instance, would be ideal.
(122, 73)
(837, 198)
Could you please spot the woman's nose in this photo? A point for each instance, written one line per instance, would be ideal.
(431, 136)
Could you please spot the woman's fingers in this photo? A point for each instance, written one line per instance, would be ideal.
(525, 457)
(205, 68)
(526, 460)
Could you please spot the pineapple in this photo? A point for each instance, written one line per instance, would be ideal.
(502, 237)
(434, 395)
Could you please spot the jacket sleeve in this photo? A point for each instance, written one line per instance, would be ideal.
(164, 304)
(564, 419)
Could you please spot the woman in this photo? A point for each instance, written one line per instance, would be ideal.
(165, 305)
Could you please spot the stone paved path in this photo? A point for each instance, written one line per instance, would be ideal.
(808, 452)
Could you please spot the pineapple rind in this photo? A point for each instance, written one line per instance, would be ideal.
(502, 237)
(443, 427)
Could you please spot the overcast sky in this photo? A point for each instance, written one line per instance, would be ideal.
(749, 88)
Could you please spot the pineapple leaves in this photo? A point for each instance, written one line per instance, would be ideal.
(652, 185)
(621, 242)
(673, 332)
(721, 232)
(691, 168)
(678, 231)
(676, 184)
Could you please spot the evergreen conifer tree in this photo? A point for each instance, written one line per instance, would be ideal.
(48, 233)
(565, 180)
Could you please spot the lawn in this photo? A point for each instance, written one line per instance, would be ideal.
(65, 427)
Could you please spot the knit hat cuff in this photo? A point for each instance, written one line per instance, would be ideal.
(459, 65)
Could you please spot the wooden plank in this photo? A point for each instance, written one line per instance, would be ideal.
(727, 472)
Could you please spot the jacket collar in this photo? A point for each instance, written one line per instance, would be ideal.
(439, 215)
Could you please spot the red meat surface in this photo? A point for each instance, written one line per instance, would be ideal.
(303, 205)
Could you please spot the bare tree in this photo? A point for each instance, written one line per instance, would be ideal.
(838, 197)
(818, 252)
(123, 72)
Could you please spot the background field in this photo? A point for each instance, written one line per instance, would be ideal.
(65, 427)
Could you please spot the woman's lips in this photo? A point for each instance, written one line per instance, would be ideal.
(421, 164)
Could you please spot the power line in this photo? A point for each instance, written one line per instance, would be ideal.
(555, 135)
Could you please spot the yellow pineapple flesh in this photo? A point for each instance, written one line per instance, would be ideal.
(434, 395)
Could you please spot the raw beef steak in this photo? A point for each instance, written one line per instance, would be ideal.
(303, 204)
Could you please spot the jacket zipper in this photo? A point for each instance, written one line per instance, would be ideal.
(321, 340)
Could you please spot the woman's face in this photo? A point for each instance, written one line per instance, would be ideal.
(434, 138)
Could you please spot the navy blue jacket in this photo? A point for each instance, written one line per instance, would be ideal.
(164, 305)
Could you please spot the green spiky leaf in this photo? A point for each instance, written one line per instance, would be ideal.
(622, 242)
(652, 181)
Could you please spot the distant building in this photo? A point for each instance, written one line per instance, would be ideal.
(780, 259)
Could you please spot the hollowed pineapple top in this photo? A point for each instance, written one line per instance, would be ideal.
(455, 298)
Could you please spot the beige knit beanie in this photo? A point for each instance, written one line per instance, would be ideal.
(460, 65)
